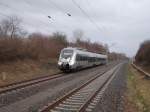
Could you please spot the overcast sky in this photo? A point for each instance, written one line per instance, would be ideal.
(122, 24)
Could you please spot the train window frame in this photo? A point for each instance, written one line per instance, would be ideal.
(65, 56)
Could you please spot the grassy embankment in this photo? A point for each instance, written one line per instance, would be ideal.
(138, 92)
(27, 69)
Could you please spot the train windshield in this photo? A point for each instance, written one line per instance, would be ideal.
(67, 54)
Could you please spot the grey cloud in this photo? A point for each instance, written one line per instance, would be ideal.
(125, 22)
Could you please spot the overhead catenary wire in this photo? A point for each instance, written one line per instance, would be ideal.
(41, 9)
(90, 6)
(59, 8)
(6, 16)
(52, 3)
(87, 16)
(10, 7)
(50, 17)
(82, 10)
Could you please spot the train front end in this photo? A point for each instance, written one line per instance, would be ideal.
(66, 60)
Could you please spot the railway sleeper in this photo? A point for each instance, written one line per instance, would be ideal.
(76, 98)
(72, 103)
(80, 101)
(62, 109)
(69, 106)
(82, 94)
(54, 111)
(88, 110)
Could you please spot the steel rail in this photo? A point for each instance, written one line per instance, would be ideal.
(25, 83)
(85, 105)
(72, 92)
(140, 70)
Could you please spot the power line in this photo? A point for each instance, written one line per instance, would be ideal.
(5, 5)
(1, 14)
(90, 6)
(25, 23)
(84, 12)
(29, 3)
(59, 8)
(50, 17)
(93, 14)
(6, 16)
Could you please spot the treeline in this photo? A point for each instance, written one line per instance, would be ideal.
(35, 46)
(17, 44)
(143, 55)
(117, 56)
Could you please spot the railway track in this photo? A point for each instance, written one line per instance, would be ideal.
(19, 85)
(140, 70)
(83, 98)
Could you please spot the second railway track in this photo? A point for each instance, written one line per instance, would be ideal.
(78, 99)
(18, 85)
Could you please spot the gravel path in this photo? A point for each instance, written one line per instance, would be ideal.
(31, 98)
(112, 98)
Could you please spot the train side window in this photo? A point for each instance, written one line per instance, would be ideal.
(80, 58)
(77, 57)
(83, 58)
(86, 58)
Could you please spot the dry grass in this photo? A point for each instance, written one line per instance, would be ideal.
(138, 94)
(27, 69)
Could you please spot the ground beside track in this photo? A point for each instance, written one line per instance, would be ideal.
(21, 70)
(138, 92)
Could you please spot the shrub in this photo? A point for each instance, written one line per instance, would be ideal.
(143, 54)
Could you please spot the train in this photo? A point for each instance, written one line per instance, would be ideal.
(72, 59)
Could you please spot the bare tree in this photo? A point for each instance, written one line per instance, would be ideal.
(78, 35)
(60, 37)
(10, 27)
(143, 54)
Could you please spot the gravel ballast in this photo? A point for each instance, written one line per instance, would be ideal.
(112, 99)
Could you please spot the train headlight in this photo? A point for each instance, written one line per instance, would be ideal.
(59, 63)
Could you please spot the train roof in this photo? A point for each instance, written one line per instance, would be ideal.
(84, 51)
(76, 48)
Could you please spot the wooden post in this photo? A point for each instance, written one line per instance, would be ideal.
(3, 76)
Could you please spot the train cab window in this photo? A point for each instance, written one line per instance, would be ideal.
(67, 54)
